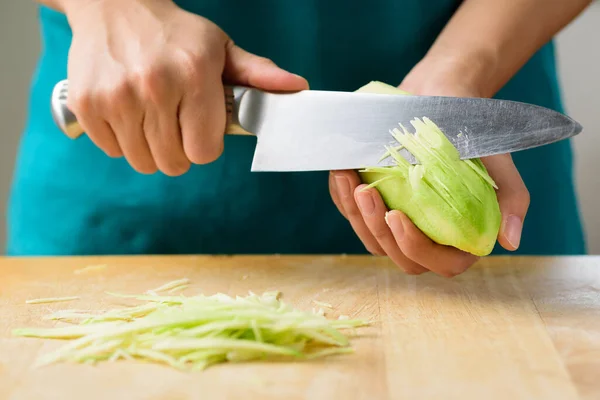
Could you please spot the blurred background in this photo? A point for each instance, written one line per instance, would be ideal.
(578, 53)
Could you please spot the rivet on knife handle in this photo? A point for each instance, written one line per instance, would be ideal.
(68, 124)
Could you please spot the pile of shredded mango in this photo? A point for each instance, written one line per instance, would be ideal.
(192, 333)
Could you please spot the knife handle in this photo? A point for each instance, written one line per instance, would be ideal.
(68, 124)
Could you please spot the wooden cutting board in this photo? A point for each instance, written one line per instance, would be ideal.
(510, 328)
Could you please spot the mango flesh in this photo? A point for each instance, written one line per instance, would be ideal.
(452, 201)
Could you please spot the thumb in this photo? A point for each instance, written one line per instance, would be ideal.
(244, 68)
(513, 197)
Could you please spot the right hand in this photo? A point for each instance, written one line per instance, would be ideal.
(146, 81)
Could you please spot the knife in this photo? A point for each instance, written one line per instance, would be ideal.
(314, 130)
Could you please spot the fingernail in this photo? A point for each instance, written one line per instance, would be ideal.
(398, 229)
(399, 233)
(512, 230)
(343, 186)
(366, 204)
(300, 77)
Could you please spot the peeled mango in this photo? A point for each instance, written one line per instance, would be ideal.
(452, 201)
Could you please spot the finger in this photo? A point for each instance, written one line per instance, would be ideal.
(98, 130)
(161, 127)
(346, 182)
(248, 69)
(374, 211)
(333, 191)
(130, 135)
(513, 197)
(202, 119)
(443, 260)
(122, 110)
(102, 135)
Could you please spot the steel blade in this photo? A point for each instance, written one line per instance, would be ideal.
(325, 130)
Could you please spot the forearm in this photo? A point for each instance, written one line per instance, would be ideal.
(487, 41)
(67, 6)
(61, 5)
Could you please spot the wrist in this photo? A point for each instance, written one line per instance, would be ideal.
(69, 7)
(470, 73)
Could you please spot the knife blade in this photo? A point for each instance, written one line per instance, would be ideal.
(314, 130)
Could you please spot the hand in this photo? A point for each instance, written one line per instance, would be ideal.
(146, 81)
(393, 234)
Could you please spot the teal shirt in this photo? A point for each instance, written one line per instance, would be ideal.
(68, 198)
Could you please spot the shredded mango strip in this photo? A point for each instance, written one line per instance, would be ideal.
(170, 285)
(322, 304)
(195, 332)
(51, 300)
(89, 268)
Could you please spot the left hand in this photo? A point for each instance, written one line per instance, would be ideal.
(395, 235)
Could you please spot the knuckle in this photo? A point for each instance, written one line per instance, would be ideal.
(119, 87)
(80, 102)
(117, 96)
(380, 232)
(409, 267)
(122, 90)
(150, 81)
(374, 251)
(414, 249)
(193, 65)
(518, 197)
(351, 210)
(523, 197)
(265, 61)
(378, 252)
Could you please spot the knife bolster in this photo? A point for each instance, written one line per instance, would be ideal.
(233, 96)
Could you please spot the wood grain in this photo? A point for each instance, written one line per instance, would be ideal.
(516, 328)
